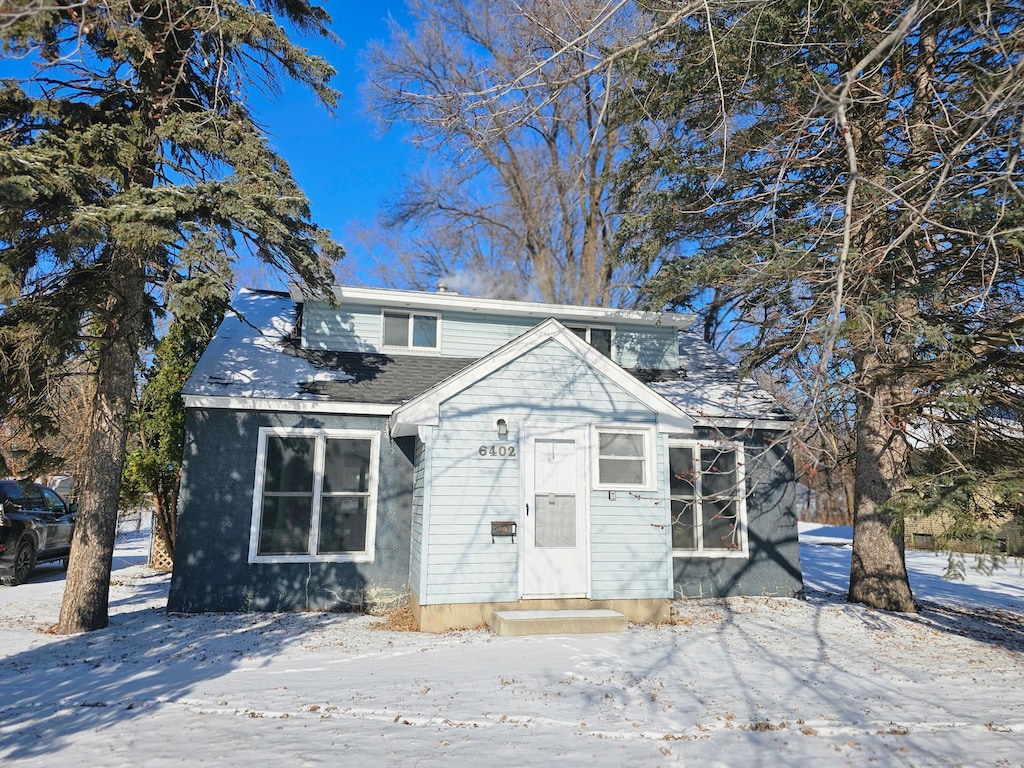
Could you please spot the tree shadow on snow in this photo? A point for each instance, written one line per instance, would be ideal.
(952, 606)
(143, 659)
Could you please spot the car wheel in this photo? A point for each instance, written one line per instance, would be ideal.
(24, 562)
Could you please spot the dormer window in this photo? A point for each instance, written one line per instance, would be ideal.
(411, 330)
(599, 337)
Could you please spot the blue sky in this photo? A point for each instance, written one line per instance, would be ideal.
(344, 165)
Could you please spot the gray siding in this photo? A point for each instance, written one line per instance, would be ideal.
(773, 568)
(211, 570)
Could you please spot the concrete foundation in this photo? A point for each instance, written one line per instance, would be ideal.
(448, 616)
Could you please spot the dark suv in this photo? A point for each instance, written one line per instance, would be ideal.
(36, 526)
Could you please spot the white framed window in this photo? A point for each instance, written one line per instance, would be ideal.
(624, 458)
(597, 336)
(411, 330)
(707, 489)
(315, 496)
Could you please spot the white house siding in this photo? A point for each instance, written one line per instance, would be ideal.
(548, 385)
(357, 329)
(631, 544)
(416, 536)
(646, 347)
(467, 492)
(468, 334)
(472, 335)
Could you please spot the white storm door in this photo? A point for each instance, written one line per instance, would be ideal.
(555, 551)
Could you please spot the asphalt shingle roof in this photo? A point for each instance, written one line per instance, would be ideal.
(256, 354)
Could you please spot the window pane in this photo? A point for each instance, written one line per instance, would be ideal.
(622, 444)
(684, 534)
(621, 471)
(289, 465)
(396, 329)
(52, 501)
(555, 522)
(581, 332)
(347, 466)
(424, 331)
(682, 475)
(720, 530)
(284, 529)
(601, 340)
(719, 472)
(23, 495)
(343, 524)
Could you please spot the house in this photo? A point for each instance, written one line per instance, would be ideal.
(467, 455)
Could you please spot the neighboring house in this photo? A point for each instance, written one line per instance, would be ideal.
(468, 455)
(957, 510)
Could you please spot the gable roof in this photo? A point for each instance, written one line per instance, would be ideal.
(424, 409)
(255, 361)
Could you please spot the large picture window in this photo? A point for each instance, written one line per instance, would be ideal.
(623, 458)
(315, 496)
(707, 491)
(409, 329)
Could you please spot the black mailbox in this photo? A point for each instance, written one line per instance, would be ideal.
(503, 528)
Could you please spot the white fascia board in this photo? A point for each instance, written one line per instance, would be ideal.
(741, 423)
(424, 409)
(438, 302)
(289, 405)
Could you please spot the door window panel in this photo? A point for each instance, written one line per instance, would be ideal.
(555, 523)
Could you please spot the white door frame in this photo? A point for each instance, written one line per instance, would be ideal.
(580, 435)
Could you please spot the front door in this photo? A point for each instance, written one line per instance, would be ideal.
(555, 552)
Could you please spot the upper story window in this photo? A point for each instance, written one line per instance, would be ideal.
(624, 458)
(599, 337)
(706, 487)
(315, 496)
(412, 330)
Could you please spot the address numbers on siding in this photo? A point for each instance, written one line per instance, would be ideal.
(497, 451)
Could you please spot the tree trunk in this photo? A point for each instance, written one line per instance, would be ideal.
(878, 572)
(84, 607)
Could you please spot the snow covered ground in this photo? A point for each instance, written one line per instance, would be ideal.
(738, 682)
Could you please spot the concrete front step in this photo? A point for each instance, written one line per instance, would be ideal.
(558, 622)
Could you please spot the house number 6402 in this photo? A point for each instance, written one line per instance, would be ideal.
(501, 451)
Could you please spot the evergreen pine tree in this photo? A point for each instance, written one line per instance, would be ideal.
(132, 174)
(843, 180)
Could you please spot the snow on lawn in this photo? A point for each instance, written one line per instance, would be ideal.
(743, 681)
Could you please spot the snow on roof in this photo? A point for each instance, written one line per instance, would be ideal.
(247, 356)
(253, 355)
(709, 387)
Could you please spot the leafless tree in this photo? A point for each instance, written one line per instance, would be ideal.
(522, 138)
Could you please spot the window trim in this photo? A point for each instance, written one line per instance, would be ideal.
(650, 477)
(321, 436)
(408, 346)
(740, 498)
(573, 327)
